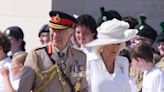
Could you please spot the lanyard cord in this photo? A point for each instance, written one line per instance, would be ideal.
(61, 68)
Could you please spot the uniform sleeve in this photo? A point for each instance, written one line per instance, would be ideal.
(28, 75)
(84, 87)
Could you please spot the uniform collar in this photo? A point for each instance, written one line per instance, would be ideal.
(63, 51)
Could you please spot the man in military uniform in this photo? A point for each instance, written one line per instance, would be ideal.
(56, 67)
(160, 45)
(44, 34)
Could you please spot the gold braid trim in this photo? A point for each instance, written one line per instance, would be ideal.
(50, 72)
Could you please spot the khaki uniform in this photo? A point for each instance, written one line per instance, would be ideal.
(160, 64)
(41, 71)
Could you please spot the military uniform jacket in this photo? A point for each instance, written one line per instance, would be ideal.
(30, 80)
(160, 64)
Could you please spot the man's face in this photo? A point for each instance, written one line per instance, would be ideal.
(161, 48)
(44, 37)
(59, 38)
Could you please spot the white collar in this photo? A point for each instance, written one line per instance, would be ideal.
(7, 59)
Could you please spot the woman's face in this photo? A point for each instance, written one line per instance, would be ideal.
(112, 49)
(83, 35)
(161, 48)
(15, 43)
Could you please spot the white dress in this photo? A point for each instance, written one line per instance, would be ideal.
(100, 80)
(5, 62)
(153, 81)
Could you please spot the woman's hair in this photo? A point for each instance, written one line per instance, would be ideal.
(89, 22)
(132, 21)
(17, 33)
(5, 42)
(23, 45)
(20, 57)
(142, 50)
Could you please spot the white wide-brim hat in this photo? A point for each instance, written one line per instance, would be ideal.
(112, 32)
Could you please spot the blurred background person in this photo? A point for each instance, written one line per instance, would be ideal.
(17, 68)
(146, 34)
(5, 60)
(160, 44)
(132, 23)
(16, 37)
(44, 34)
(85, 31)
(108, 15)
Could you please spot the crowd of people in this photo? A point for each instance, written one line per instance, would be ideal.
(113, 54)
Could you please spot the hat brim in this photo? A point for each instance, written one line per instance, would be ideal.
(57, 26)
(108, 41)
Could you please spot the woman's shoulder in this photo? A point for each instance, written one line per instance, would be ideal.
(122, 59)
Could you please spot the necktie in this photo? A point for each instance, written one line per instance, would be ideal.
(62, 60)
(61, 55)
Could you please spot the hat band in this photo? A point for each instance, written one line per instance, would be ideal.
(56, 26)
(112, 35)
(62, 21)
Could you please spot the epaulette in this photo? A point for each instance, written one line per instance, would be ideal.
(73, 50)
(39, 48)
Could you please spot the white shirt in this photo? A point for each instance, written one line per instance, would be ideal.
(100, 80)
(15, 83)
(153, 81)
(5, 62)
(132, 85)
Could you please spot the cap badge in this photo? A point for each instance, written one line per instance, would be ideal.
(141, 27)
(57, 18)
(7, 32)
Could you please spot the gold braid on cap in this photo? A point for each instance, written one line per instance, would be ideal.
(57, 26)
(49, 74)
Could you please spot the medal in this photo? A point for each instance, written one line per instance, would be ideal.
(77, 86)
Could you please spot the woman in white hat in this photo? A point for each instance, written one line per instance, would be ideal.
(106, 71)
